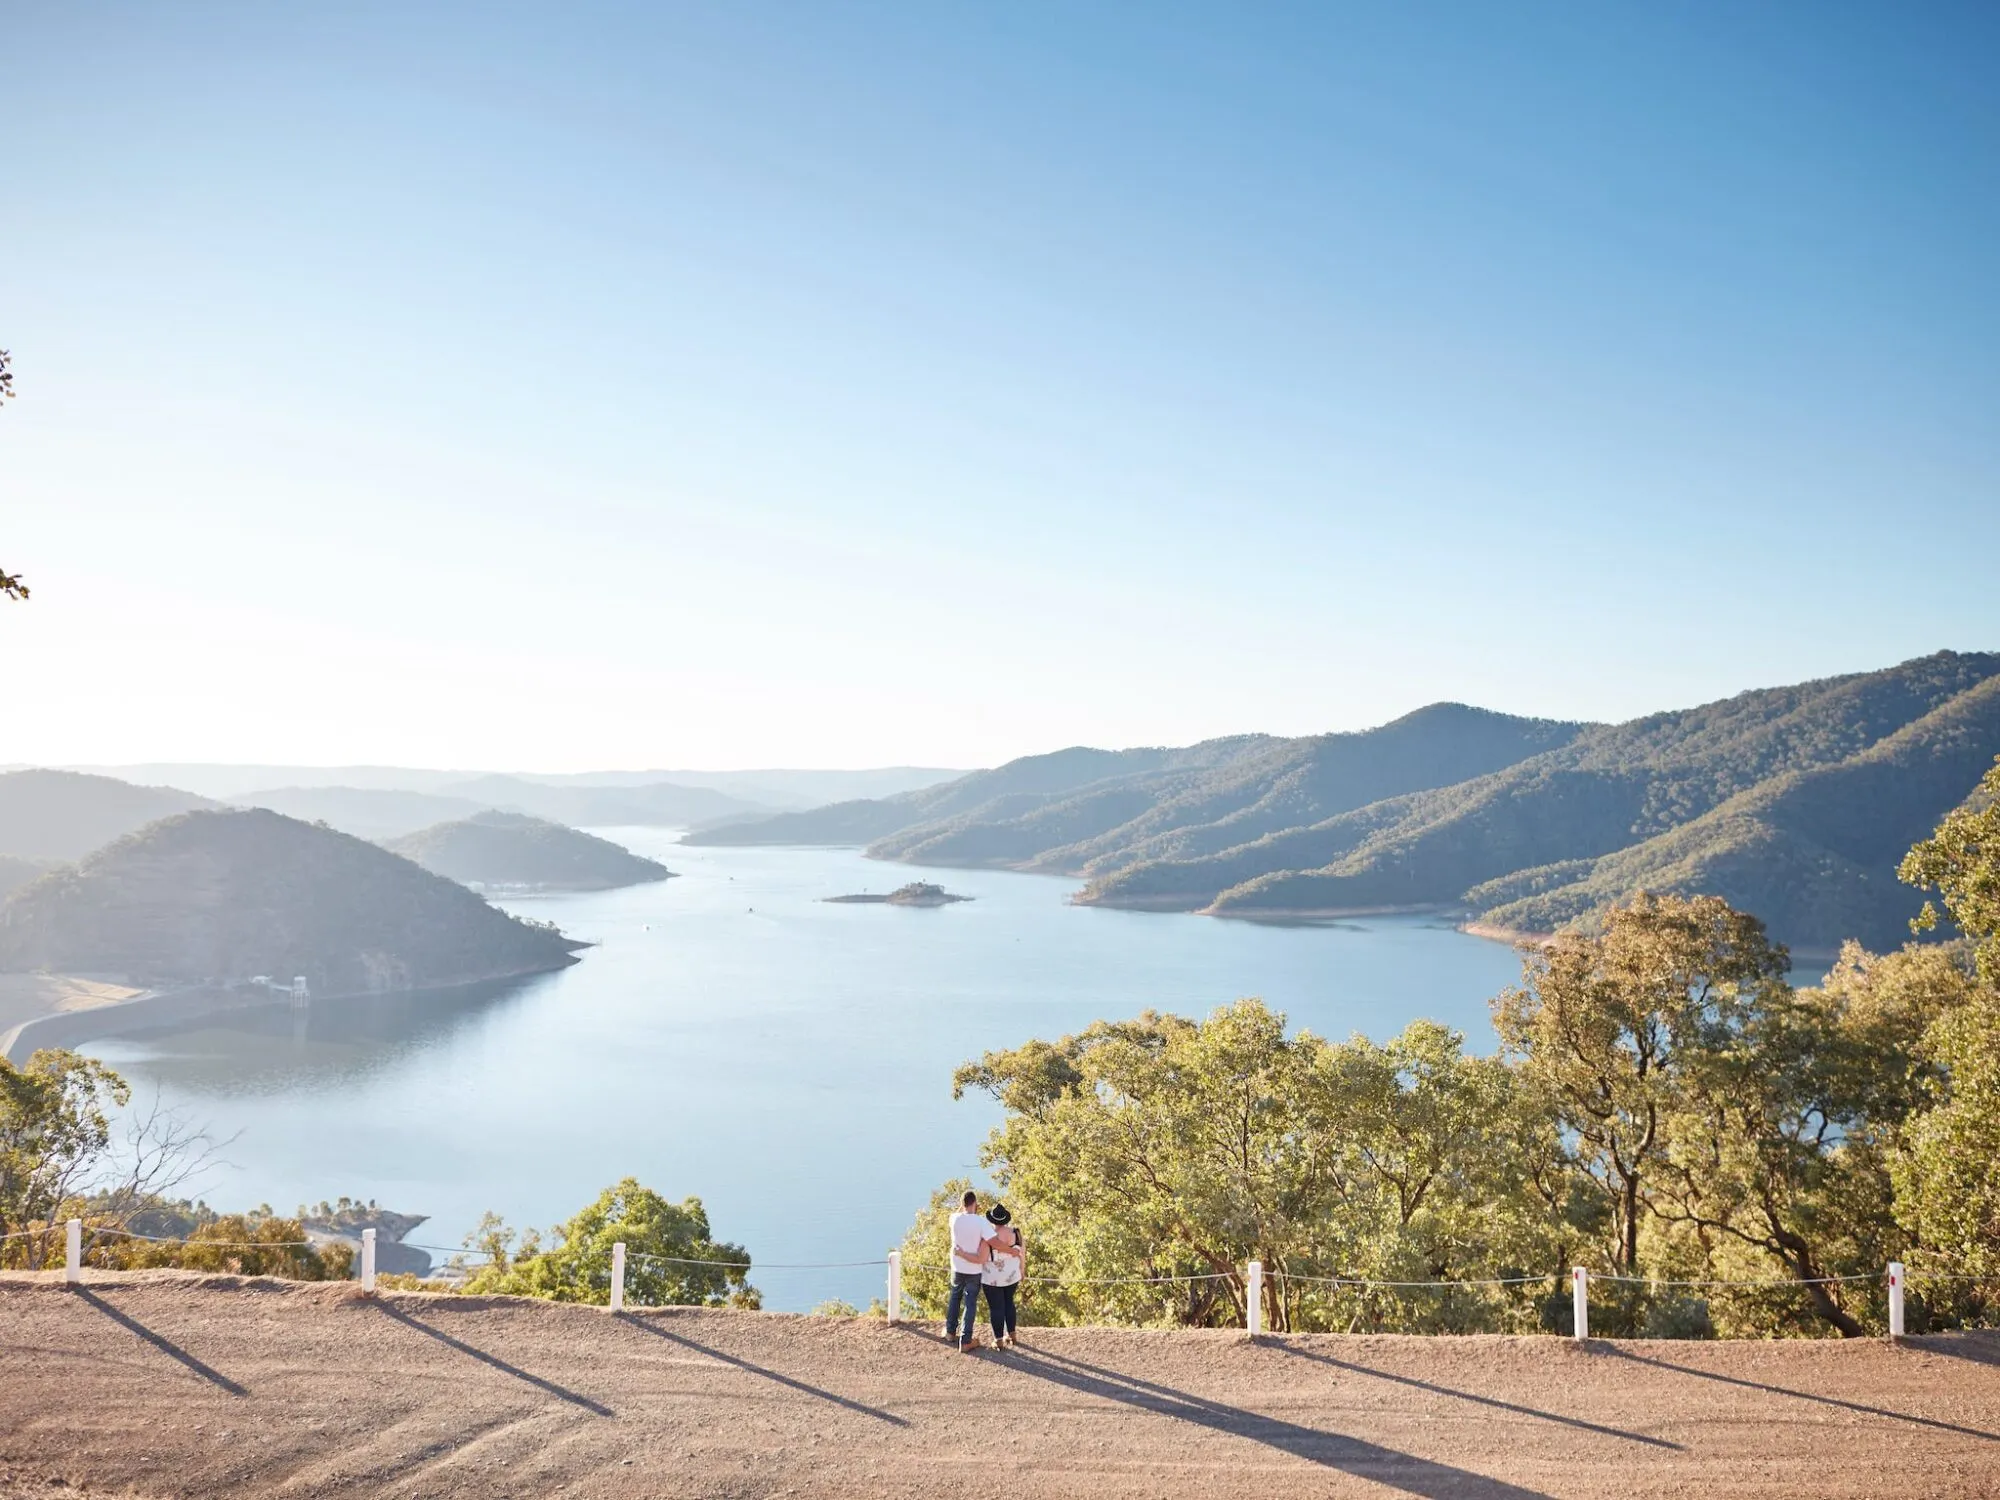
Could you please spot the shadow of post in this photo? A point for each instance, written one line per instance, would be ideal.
(1778, 1390)
(1492, 1401)
(165, 1345)
(1980, 1346)
(561, 1393)
(1388, 1467)
(645, 1325)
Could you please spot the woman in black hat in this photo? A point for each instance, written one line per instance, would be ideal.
(1001, 1275)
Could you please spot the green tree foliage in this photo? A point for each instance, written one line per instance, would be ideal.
(55, 1131)
(1961, 861)
(1947, 1175)
(1665, 1109)
(671, 1259)
(1947, 1180)
(60, 1159)
(1163, 1147)
(240, 1244)
(1778, 1156)
(1618, 1032)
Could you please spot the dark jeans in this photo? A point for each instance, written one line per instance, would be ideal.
(964, 1290)
(1000, 1309)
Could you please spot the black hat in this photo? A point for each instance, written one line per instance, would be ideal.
(998, 1214)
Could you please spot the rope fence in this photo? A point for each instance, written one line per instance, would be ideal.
(1895, 1277)
(1796, 1281)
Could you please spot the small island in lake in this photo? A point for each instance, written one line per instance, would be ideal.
(916, 893)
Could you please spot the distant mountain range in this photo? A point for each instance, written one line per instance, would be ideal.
(503, 849)
(1795, 803)
(366, 812)
(61, 815)
(764, 790)
(383, 812)
(218, 896)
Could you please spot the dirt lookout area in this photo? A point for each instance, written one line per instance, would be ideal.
(171, 1383)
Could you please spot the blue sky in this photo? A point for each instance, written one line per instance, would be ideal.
(585, 386)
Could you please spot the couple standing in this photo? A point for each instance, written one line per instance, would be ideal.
(985, 1252)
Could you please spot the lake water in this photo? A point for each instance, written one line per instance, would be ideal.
(735, 1038)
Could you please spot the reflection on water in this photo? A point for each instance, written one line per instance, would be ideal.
(271, 1048)
(734, 1037)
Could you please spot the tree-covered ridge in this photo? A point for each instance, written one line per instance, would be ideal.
(1005, 791)
(1815, 852)
(16, 872)
(215, 897)
(1792, 803)
(513, 849)
(1080, 811)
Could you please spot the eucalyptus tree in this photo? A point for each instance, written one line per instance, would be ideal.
(1948, 1175)
(1149, 1160)
(672, 1257)
(1622, 1030)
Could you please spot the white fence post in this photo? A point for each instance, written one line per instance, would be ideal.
(1253, 1299)
(367, 1260)
(895, 1285)
(73, 1251)
(1895, 1299)
(1580, 1301)
(618, 1276)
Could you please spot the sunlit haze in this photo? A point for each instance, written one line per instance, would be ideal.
(562, 387)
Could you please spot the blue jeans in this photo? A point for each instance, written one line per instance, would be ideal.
(964, 1293)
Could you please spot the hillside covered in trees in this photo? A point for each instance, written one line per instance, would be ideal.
(212, 897)
(513, 849)
(1068, 810)
(1726, 1153)
(1794, 802)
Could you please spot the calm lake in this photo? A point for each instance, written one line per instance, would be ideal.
(735, 1038)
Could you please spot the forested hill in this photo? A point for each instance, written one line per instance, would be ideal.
(1078, 810)
(62, 815)
(223, 896)
(513, 849)
(1794, 802)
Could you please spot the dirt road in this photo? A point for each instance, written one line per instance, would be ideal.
(167, 1383)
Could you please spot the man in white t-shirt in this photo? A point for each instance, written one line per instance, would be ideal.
(972, 1240)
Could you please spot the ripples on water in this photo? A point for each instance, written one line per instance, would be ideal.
(734, 1038)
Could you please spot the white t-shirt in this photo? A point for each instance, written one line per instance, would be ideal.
(1002, 1270)
(970, 1235)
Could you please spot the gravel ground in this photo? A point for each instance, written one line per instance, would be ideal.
(170, 1383)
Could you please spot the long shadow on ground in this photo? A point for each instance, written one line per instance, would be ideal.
(660, 1331)
(1492, 1401)
(1779, 1390)
(1384, 1466)
(165, 1345)
(1979, 1346)
(561, 1393)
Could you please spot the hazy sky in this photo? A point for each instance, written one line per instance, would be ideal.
(568, 386)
